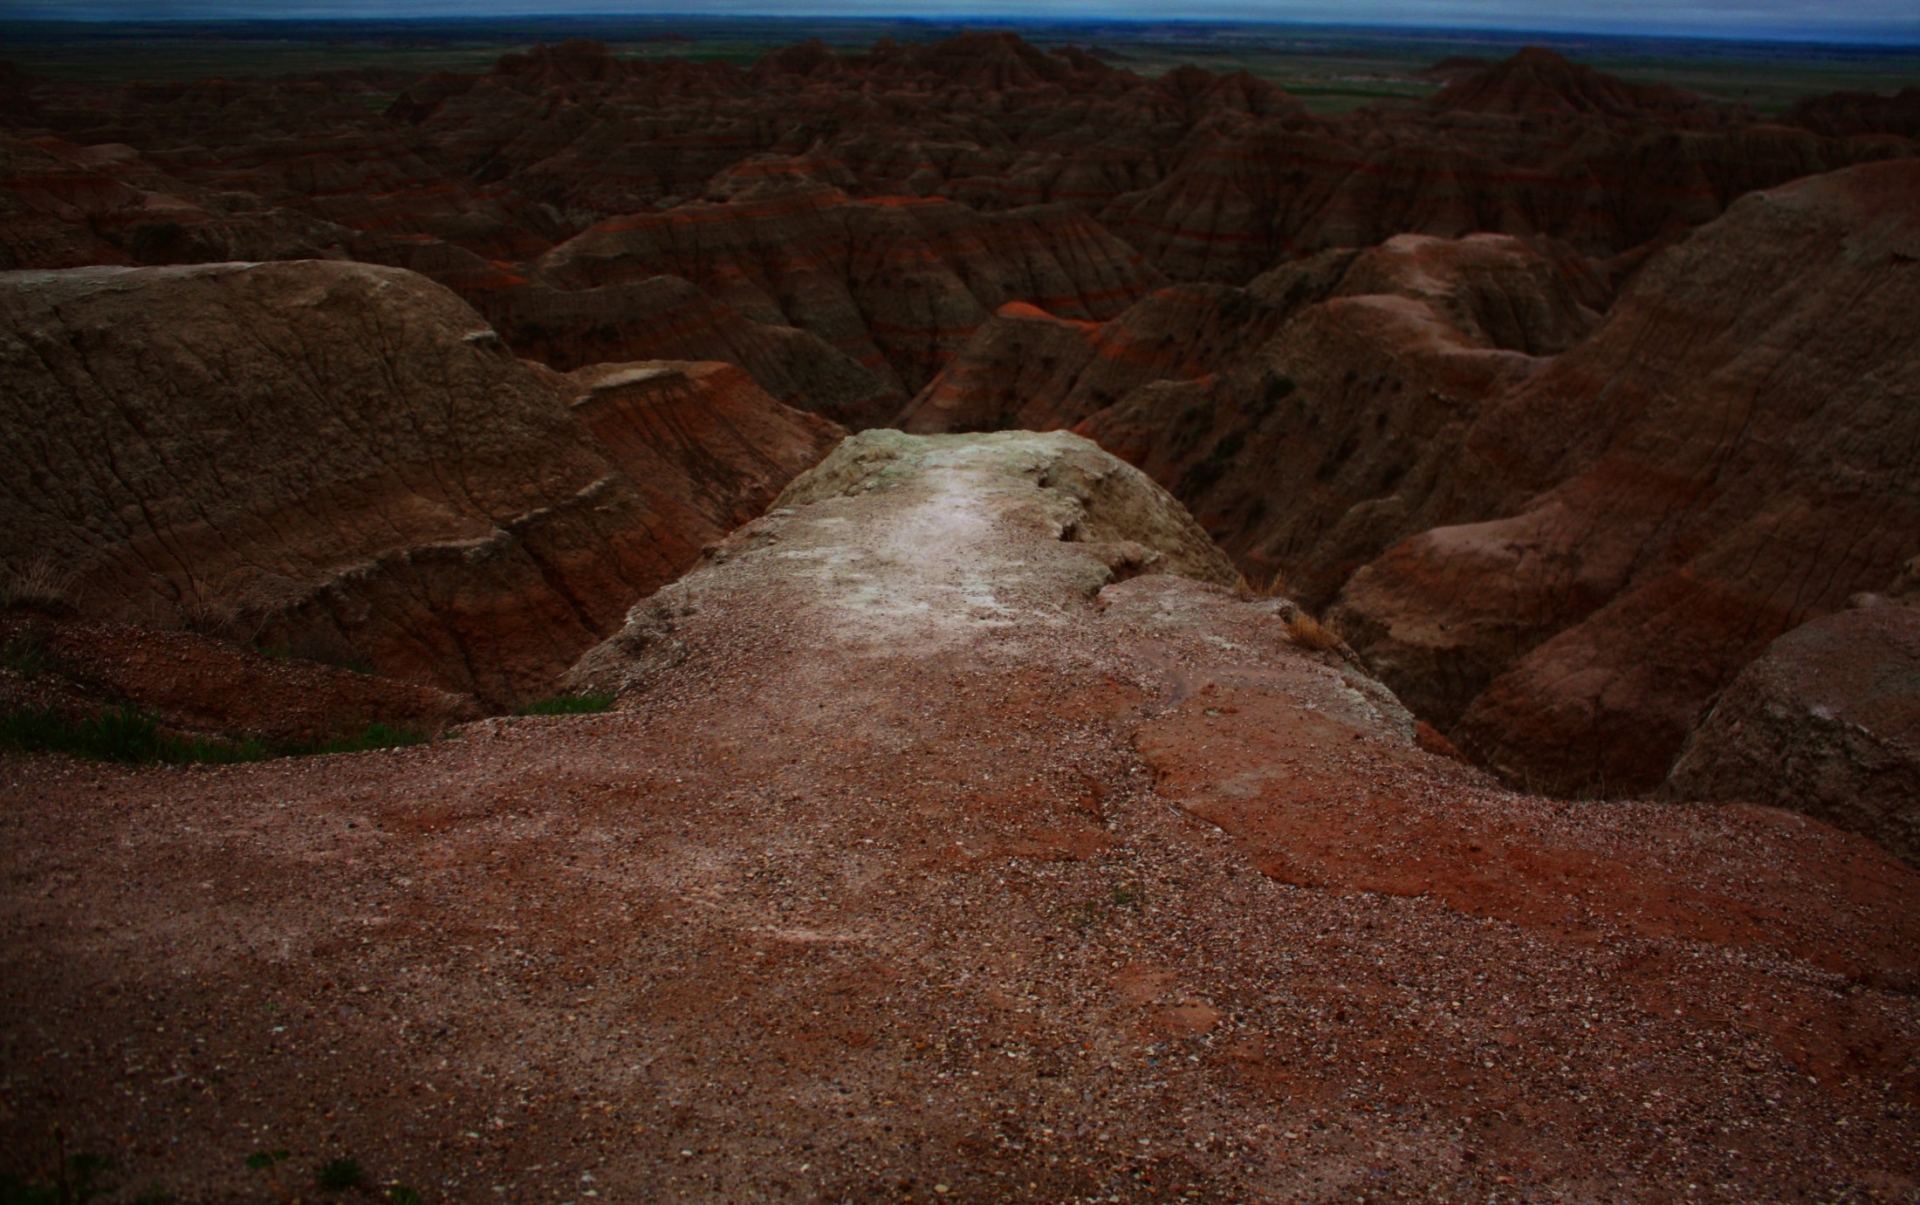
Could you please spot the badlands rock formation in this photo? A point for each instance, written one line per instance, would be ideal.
(1206, 923)
(1728, 457)
(1307, 418)
(344, 461)
(897, 285)
(1535, 145)
(1603, 522)
(929, 186)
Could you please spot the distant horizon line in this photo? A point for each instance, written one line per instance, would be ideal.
(1895, 41)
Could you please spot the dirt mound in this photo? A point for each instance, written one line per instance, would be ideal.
(1203, 919)
(346, 462)
(1706, 472)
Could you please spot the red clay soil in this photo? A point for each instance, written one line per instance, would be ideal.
(925, 867)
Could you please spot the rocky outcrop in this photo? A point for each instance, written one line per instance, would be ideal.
(1727, 458)
(666, 318)
(1060, 515)
(346, 461)
(1031, 369)
(1540, 83)
(1859, 114)
(1827, 722)
(70, 206)
(652, 318)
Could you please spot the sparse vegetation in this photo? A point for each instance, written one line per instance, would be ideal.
(74, 1178)
(1309, 633)
(1202, 474)
(133, 737)
(267, 1161)
(1273, 586)
(39, 584)
(401, 1194)
(27, 654)
(569, 705)
(1272, 391)
(339, 1174)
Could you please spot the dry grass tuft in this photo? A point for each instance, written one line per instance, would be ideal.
(38, 584)
(226, 609)
(1309, 633)
(1272, 587)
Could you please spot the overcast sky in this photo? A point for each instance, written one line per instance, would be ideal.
(1866, 20)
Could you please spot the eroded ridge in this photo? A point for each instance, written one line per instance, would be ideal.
(945, 845)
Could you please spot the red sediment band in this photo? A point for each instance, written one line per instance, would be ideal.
(1028, 312)
(647, 340)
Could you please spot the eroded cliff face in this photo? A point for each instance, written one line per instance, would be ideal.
(1728, 457)
(346, 462)
(897, 285)
(1308, 420)
(1558, 537)
(934, 801)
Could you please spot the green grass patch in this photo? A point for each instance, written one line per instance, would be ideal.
(338, 1175)
(78, 1180)
(132, 737)
(569, 705)
(27, 655)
